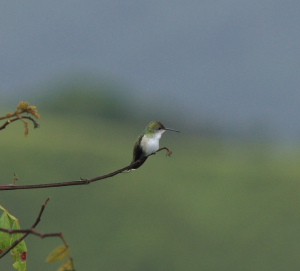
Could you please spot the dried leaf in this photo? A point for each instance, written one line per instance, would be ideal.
(66, 266)
(58, 254)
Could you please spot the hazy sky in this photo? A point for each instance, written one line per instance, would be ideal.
(235, 62)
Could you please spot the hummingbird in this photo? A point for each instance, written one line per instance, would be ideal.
(147, 143)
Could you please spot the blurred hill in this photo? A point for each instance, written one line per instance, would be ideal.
(78, 94)
(107, 99)
(81, 94)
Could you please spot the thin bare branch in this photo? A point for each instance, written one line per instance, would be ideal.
(77, 182)
(35, 124)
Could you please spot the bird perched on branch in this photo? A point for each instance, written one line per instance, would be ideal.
(148, 143)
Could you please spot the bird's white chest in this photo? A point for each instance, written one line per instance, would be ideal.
(150, 144)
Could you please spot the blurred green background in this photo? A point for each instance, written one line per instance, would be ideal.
(219, 203)
(224, 73)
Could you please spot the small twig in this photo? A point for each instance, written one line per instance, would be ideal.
(78, 182)
(35, 124)
(29, 231)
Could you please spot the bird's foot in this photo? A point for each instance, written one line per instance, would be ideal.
(169, 152)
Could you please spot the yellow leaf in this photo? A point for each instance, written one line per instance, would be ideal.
(67, 266)
(33, 110)
(58, 254)
(23, 105)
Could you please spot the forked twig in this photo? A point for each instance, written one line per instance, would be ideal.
(32, 230)
(26, 232)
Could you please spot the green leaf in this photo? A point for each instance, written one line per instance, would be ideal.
(58, 254)
(4, 237)
(19, 252)
(20, 266)
(15, 225)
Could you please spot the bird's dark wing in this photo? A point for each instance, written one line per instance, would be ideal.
(138, 153)
(137, 150)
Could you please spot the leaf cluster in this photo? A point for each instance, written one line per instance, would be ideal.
(12, 240)
(23, 108)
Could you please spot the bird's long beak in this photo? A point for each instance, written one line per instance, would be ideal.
(169, 129)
